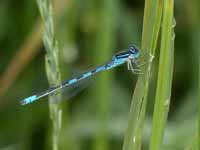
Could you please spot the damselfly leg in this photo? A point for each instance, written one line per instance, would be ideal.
(133, 68)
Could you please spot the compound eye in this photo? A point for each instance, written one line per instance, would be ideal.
(132, 49)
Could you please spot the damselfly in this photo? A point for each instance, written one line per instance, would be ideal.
(130, 57)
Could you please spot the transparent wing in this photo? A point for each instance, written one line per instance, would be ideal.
(71, 91)
(68, 91)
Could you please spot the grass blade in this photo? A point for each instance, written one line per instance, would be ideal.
(165, 73)
(197, 2)
(52, 67)
(193, 145)
(151, 27)
(103, 51)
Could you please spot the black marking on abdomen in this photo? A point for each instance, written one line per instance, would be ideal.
(79, 77)
(94, 71)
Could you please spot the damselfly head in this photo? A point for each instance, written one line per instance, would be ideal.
(134, 51)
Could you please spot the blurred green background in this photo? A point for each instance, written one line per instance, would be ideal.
(89, 33)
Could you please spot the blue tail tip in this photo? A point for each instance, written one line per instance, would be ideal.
(28, 100)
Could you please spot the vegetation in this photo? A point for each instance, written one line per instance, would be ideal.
(45, 42)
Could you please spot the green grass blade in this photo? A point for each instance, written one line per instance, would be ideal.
(165, 73)
(52, 67)
(104, 43)
(198, 53)
(193, 145)
(151, 27)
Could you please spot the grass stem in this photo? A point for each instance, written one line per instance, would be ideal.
(198, 54)
(164, 80)
(151, 27)
(52, 67)
(103, 51)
